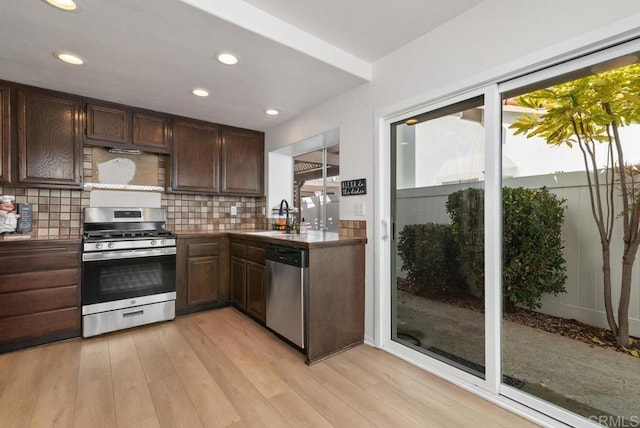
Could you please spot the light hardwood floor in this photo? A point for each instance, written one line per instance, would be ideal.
(220, 369)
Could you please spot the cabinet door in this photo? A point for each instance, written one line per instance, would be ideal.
(151, 131)
(202, 277)
(5, 135)
(107, 123)
(49, 139)
(256, 290)
(194, 164)
(238, 281)
(242, 162)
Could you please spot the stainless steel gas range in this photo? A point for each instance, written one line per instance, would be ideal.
(128, 269)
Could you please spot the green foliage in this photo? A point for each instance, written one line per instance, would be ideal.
(533, 263)
(583, 110)
(429, 256)
(466, 210)
(586, 113)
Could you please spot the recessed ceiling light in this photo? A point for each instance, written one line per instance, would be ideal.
(272, 112)
(69, 58)
(227, 58)
(66, 5)
(199, 92)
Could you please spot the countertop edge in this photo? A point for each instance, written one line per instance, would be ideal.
(43, 241)
(298, 242)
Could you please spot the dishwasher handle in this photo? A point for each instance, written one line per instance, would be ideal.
(298, 257)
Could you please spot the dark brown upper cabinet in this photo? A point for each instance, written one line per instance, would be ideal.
(195, 157)
(49, 139)
(114, 125)
(5, 135)
(242, 162)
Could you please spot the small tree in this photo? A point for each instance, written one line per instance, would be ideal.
(586, 113)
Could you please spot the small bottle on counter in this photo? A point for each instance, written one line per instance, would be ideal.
(304, 228)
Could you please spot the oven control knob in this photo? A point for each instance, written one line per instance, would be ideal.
(98, 246)
(163, 242)
(153, 242)
(111, 245)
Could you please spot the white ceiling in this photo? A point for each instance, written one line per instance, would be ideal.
(151, 53)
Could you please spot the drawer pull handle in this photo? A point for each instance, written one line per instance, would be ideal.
(132, 314)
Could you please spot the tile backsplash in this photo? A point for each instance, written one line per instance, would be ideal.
(57, 213)
(352, 228)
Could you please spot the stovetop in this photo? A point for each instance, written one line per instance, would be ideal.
(116, 235)
(108, 229)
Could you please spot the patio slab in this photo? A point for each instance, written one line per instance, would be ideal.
(553, 367)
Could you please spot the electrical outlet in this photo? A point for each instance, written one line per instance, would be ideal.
(234, 210)
(358, 208)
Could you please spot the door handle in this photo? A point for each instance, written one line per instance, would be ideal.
(385, 229)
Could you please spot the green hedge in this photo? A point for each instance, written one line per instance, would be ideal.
(445, 257)
(533, 263)
(429, 256)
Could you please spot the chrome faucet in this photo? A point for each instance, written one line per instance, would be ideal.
(280, 212)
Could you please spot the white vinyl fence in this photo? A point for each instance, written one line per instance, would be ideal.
(584, 299)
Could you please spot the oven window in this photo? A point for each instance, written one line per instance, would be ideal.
(109, 280)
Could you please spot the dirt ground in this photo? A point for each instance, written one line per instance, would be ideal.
(585, 378)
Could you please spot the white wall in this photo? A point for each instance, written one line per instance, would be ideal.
(280, 185)
(495, 38)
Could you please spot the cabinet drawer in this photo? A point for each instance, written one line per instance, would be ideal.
(38, 325)
(256, 254)
(203, 249)
(39, 280)
(40, 260)
(28, 302)
(238, 250)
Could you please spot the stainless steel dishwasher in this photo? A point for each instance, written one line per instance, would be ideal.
(287, 277)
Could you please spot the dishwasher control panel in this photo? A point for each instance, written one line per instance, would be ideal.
(297, 257)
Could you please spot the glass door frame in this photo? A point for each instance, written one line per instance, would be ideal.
(492, 387)
(492, 263)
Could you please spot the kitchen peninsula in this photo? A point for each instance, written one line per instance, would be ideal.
(334, 304)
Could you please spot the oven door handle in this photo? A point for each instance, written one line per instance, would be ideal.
(126, 254)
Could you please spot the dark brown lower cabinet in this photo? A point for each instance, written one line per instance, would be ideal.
(39, 292)
(202, 274)
(248, 277)
(256, 290)
(335, 300)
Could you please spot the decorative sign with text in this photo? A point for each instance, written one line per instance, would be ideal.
(354, 187)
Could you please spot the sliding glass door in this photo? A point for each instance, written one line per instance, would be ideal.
(514, 226)
(571, 177)
(438, 240)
